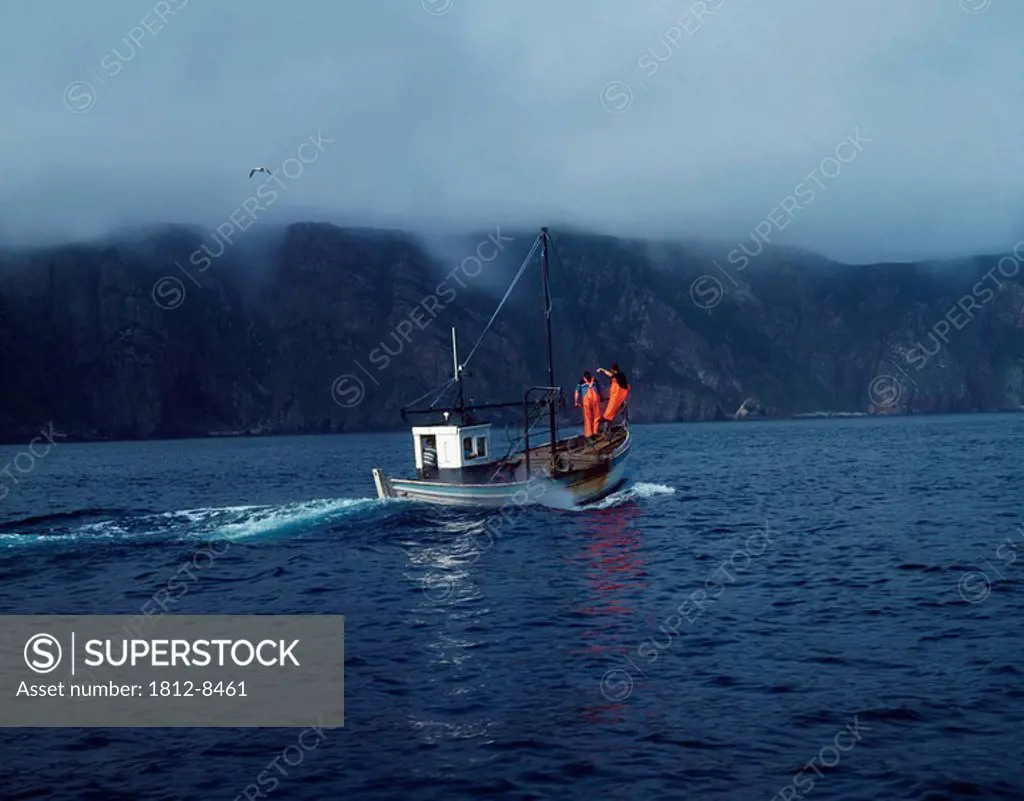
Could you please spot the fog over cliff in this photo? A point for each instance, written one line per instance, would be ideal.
(680, 120)
(764, 208)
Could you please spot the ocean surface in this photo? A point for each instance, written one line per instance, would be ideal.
(828, 606)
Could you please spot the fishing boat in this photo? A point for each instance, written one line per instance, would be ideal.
(458, 460)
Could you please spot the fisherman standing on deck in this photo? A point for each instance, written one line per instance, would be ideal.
(619, 393)
(588, 395)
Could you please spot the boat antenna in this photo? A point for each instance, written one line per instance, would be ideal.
(458, 376)
(547, 320)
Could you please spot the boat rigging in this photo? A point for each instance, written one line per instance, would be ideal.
(454, 459)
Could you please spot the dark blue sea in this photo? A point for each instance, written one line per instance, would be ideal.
(826, 609)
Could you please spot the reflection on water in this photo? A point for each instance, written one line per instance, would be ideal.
(613, 561)
(441, 569)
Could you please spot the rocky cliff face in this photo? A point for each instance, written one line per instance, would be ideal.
(330, 329)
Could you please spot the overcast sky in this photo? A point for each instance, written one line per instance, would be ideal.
(499, 112)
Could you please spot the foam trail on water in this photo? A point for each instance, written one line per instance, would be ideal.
(637, 491)
(645, 490)
(204, 514)
(225, 522)
(270, 519)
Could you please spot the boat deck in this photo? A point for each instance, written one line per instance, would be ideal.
(573, 453)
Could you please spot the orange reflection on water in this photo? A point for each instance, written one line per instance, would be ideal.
(614, 560)
(613, 557)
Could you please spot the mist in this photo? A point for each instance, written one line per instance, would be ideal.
(672, 121)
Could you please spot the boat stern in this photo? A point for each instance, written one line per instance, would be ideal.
(383, 484)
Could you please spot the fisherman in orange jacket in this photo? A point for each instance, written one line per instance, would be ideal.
(619, 393)
(588, 393)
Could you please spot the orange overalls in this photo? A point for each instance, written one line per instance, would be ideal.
(616, 399)
(591, 407)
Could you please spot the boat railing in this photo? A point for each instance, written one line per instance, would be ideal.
(533, 411)
(551, 397)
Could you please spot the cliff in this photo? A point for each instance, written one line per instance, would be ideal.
(319, 328)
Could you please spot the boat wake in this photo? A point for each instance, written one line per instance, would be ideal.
(251, 523)
(630, 493)
(203, 524)
(640, 490)
(633, 492)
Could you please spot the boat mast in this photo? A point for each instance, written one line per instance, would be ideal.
(547, 319)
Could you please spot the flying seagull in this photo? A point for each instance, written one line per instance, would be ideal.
(255, 170)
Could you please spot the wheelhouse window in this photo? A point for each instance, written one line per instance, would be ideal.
(474, 448)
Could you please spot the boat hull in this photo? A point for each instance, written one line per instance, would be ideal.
(576, 488)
